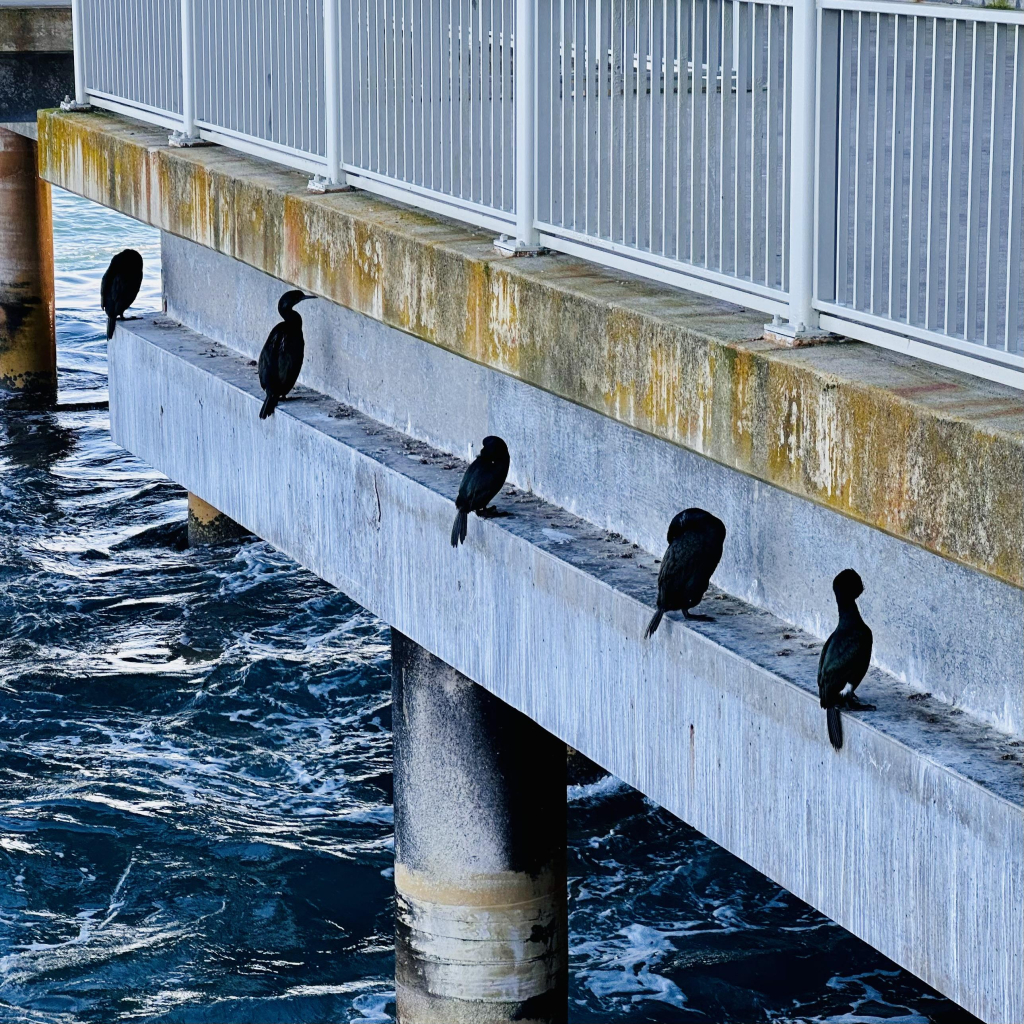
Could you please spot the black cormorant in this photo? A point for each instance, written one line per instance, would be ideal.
(695, 540)
(281, 358)
(845, 656)
(120, 286)
(480, 483)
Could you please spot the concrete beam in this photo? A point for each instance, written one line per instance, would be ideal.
(912, 837)
(207, 525)
(929, 455)
(939, 626)
(29, 129)
(37, 27)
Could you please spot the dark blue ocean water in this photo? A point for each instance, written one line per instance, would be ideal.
(195, 773)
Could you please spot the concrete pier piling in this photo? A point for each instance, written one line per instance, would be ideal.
(28, 354)
(479, 852)
(207, 525)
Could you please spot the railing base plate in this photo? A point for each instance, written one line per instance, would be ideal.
(512, 247)
(787, 335)
(179, 140)
(321, 186)
(73, 105)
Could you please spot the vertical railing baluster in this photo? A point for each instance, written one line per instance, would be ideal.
(188, 82)
(803, 319)
(334, 177)
(81, 100)
(524, 80)
(187, 135)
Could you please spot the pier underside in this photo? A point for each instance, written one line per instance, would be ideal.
(911, 837)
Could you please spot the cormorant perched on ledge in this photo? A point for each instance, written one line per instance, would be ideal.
(695, 541)
(120, 286)
(845, 656)
(281, 358)
(480, 483)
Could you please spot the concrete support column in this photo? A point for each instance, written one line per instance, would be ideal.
(28, 353)
(207, 525)
(481, 932)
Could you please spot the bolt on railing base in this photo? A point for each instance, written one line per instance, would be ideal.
(512, 247)
(179, 140)
(790, 335)
(321, 185)
(69, 104)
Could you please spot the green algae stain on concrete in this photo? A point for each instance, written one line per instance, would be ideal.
(74, 149)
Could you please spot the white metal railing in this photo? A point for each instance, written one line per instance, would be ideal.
(427, 101)
(668, 137)
(259, 76)
(919, 185)
(133, 51)
(846, 165)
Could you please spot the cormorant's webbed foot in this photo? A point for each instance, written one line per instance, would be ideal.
(492, 513)
(853, 704)
(695, 617)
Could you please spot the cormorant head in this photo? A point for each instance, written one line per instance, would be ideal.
(493, 449)
(847, 586)
(691, 517)
(130, 257)
(289, 299)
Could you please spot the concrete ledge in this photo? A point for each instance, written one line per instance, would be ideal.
(27, 128)
(939, 626)
(929, 455)
(912, 837)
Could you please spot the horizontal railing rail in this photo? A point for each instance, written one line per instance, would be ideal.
(846, 166)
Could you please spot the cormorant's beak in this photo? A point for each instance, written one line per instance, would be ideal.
(305, 296)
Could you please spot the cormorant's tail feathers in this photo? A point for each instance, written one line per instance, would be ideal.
(111, 321)
(653, 625)
(459, 528)
(269, 405)
(835, 727)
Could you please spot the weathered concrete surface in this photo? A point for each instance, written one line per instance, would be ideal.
(912, 837)
(481, 929)
(35, 28)
(929, 455)
(34, 73)
(28, 353)
(37, 68)
(939, 626)
(206, 525)
(26, 128)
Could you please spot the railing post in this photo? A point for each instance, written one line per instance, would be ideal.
(188, 136)
(524, 83)
(81, 100)
(802, 324)
(334, 180)
(78, 42)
